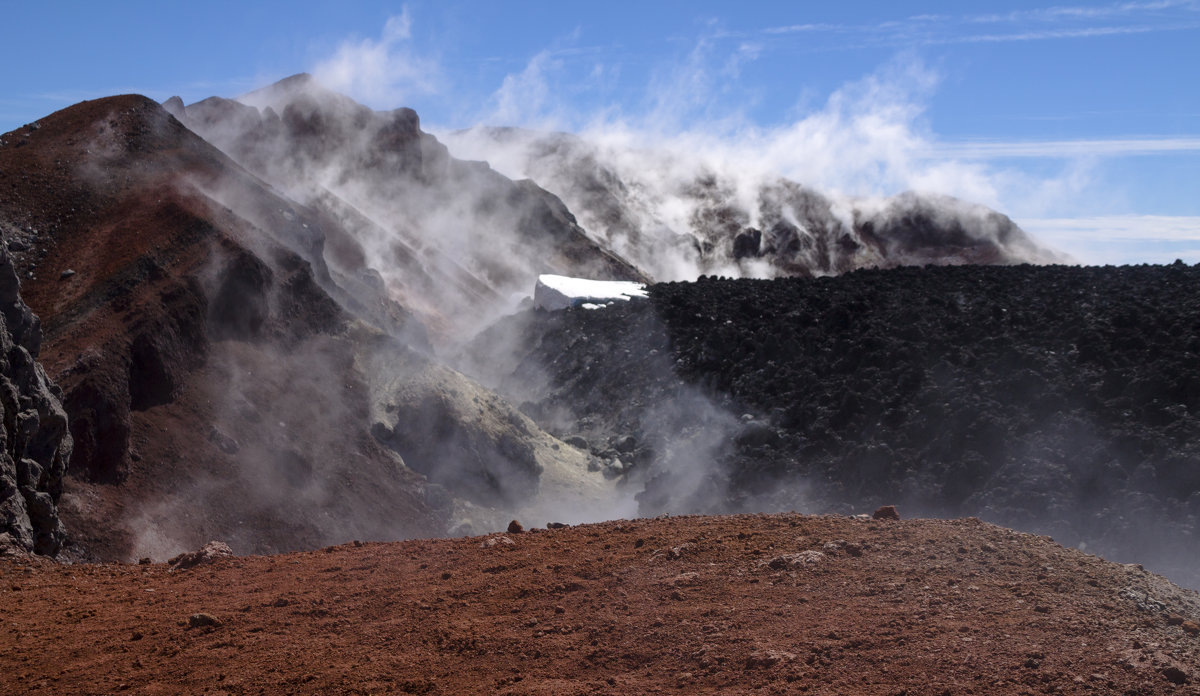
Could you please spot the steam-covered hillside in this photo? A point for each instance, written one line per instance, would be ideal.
(249, 305)
(1057, 399)
(453, 240)
(456, 240)
(677, 215)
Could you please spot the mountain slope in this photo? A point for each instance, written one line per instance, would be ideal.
(165, 314)
(453, 239)
(677, 215)
(232, 366)
(1060, 400)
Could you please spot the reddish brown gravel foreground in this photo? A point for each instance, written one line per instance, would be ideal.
(739, 604)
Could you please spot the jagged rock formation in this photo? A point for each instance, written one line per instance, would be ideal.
(454, 240)
(222, 347)
(1058, 399)
(675, 218)
(244, 326)
(34, 443)
(198, 337)
(485, 460)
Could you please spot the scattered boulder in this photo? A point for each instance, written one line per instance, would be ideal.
(499, 541)
(793, 561)
(887, 512)
(202, 619)
(1175, 675)
(204, 555)
(515, 527)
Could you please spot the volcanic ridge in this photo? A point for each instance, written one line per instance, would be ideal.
(286, 322)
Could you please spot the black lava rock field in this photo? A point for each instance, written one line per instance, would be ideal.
(1060, 400)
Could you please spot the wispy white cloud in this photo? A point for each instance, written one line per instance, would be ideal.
(382, 72)
(1039, 24)
(799, 28)
(1048, 34)
(1121, 239)
(1083, 12)
(983, 149)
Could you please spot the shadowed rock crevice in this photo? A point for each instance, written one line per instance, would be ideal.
(34, 443)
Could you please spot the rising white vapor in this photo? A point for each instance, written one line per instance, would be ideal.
(869, 138)
(382, 72)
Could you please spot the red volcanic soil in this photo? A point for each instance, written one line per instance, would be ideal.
(744, 604)
(169, 282)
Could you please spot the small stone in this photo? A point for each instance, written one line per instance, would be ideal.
(66, 274)
(1191, 628)
(685, 579)
(887, 512)
(515, 527)
(1174, 620)
(1175, 675)
(556, 525)
(145, 561)
(494, 541)
(200, 620)
(768, 658)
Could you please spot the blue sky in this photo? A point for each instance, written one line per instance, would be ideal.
(1081, 120)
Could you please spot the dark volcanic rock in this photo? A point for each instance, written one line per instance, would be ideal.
(201, 302)
(34, 443)
(454, 239)
(1064, 400)
(673, 219)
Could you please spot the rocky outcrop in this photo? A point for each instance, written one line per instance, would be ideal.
(1056, 399)
(34, 443)
(197, 340)
(675, 216)
(454, 240)
(484, 459)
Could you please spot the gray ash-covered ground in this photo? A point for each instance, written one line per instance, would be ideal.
(1062, 400)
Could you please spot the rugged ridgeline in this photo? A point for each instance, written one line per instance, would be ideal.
(242, 323)
(676, 216)
(452, 239)
(34, 439)
(1054, 399)
(234, 368)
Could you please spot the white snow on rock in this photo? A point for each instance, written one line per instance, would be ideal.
(559, 292)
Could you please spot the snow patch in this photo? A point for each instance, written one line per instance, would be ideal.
(554, 292)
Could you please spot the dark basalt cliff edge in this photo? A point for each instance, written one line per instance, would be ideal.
(34, 443)
(1059, 399)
